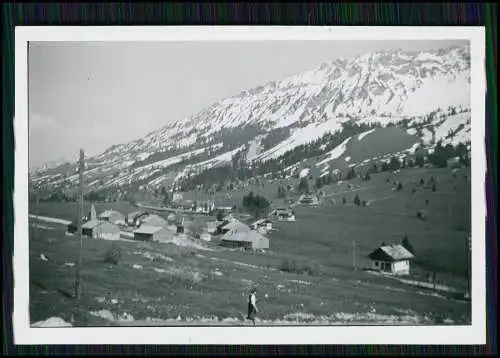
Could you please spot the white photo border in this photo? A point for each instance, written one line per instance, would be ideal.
(421, 335)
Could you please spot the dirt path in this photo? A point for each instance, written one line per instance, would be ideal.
(50, 220)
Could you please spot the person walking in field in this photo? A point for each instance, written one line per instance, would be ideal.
(252, 306)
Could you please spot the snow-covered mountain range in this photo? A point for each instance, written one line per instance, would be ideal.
(268, 121)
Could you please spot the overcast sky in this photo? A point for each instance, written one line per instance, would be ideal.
(93, 95)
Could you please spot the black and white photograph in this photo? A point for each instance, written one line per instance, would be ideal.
(235, 180)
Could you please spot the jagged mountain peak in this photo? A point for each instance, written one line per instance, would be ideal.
(377, 87)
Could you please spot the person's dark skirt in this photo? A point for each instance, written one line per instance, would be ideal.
(251, 312)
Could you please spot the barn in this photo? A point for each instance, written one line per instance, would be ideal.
(241, 236)
(153, 220)
(225, 211)
(101, 230)
(262, 225)
(179, 223)
(205, 207)
(250, 240)
(211, 227)
(113, 217)
(283, 215)
(177, 197)
(152, 233)
(393, 259)
(309, 200)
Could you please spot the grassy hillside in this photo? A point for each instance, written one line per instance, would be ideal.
(69, 211)
(215, 283)
(381, 142)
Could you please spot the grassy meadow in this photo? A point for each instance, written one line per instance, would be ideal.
(162, 281)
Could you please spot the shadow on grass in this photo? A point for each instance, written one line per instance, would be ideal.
(65, 293)
(59, 290)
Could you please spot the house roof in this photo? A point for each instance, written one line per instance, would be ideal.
(94, 223)
(108, 213)
(147, 229)
(243, 236)
(261, 221)
(90, 224)
(152, 217)
(136, 214)
(391, 253)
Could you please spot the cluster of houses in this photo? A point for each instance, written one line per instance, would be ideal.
(190, 206)
(151, 227)
(390, 259)
(144, 226)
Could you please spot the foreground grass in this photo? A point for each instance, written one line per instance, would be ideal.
(188, 284)
(192, 285)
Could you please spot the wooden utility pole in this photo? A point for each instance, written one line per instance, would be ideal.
(79, 226)
(468, 248)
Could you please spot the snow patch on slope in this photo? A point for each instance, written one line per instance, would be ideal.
(336, 152)
(364, 134)
(301, 136)
(430, 96)
(304, 173)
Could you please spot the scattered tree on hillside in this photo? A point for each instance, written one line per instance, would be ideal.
(413, 191)
(364, 203)
(256, 204)
(394, 164)
(281, 192)
(374, 169)
(357, 202)
(367, 177)
(343, 200)
(464, 160)
(113, 255)
(426, 201)
(247, 199)
(434, 187)
(319, 183)
(351, 174)
(196, 227)
(384, 167)
(407, 245)
(422, 182)
(303, 186)
(220, 187)
(421, 215)
(399, 186)
(419, 160)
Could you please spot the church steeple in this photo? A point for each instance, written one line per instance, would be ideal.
(93, 214)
